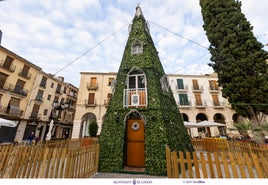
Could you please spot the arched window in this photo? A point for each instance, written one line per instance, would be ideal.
(136, 47)
(135, 95)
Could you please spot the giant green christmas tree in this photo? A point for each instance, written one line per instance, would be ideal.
(238, 58)
(142, 117)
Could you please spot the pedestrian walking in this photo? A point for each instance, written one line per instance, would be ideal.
(31, 138)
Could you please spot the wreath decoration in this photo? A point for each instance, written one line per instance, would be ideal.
(135, 126)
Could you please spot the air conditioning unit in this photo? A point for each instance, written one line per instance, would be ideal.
(135, 99)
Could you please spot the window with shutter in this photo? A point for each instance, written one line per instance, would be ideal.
(91, 98)
(180, 84)
(183, 99)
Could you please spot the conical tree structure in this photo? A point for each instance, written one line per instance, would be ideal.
(142, 116)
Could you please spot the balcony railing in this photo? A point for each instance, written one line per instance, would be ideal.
(58, 91)
(34, 116)
(42, 84)
(11, 110)
(197, 88)
(214, 89)
(92, 86)
(218, 105)
(39, 98)
(19, 91)
(72, 95)
(135, 97)
(25, 74)
(184, 104)
(10, 87)
(200, 104)
(182, 89)
(10, 68)
(90, 103)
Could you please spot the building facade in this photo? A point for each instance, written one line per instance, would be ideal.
(198, 98)
(93, 99)
(27, 96)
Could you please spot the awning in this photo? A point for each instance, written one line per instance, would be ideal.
(203, 124)
(8, 123)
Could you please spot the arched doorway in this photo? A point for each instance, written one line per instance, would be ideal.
(85, 121)
(134, 140)
(202, 131)
(186, 118)
(219, 118)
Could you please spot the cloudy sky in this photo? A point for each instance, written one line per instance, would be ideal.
(66, 37)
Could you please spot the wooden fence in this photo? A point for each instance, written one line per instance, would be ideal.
(47, 161)
(223, 145)
(219, 159)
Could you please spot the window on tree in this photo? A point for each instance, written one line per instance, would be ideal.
(136, 47)
(136, 81)
(136, 92)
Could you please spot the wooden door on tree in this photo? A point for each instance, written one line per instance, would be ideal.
(135, 143)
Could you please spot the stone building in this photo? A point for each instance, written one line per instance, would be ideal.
(94, 95)
(197, 96)
(27, 96)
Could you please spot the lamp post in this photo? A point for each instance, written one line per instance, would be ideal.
(57, 108)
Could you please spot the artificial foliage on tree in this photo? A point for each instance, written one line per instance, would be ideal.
(164, 125)
(237, 58)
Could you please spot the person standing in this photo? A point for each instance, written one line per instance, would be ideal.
(31, 137)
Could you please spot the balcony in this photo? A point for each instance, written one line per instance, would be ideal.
(25, 74)
(90, 103)
(92, 86)
(10, 87)
(200, 104)
(9, 67)
(197, 88)
(182, 89)
(39, 99)
(58, 91)
(21, 92)
(135, 97)
(11, 110)
(214, 89)
(184, 104)
(43, 85)
(34, 116)
(218, 105)
(72, 96)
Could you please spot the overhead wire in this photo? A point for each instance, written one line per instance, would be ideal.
(87, 51)
(90, 49)
(181, 36)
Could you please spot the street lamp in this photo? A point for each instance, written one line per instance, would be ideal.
(57, 108)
